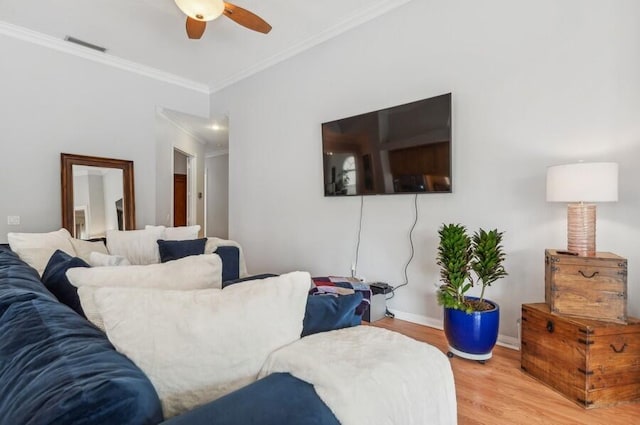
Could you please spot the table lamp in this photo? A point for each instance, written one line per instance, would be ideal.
(580, 185)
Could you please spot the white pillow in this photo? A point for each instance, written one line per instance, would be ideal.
(213, 244)
(98, 259)
(138, 246)
(84, 249)
(193, 272)
(181, 233)
(196, 346)
(36, 249)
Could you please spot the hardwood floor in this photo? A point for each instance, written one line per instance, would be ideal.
(498, 392)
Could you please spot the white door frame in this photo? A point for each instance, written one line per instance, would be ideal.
(204, 200)
(192, 187)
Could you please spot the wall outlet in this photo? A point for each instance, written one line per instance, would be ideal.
(13, 220)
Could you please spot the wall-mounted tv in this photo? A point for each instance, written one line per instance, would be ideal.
(403, 149)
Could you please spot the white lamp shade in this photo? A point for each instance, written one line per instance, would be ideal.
(583, 182)
(201, 10)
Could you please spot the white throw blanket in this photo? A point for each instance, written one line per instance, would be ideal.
(213, 244)
(368, 375)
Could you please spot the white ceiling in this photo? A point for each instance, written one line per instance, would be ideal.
(148, 36)
(212, 132)
(151, 33)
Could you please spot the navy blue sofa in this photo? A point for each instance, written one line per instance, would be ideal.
(57, 368)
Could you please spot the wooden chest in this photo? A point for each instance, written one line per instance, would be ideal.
(587, 287)
(593, 363)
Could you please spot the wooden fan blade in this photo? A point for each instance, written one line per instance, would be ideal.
(195, 28)
(246, 18)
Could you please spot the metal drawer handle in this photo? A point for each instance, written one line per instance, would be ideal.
(587, 277)
(621, 350)
(550, 326)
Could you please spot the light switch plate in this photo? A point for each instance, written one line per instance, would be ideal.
(13, 220)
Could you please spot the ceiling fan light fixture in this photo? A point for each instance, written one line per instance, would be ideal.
(201, 10)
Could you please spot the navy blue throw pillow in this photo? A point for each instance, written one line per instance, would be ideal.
(174, 250)
(327, 313)
(55, 279)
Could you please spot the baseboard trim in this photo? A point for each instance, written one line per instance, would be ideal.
(503, 340)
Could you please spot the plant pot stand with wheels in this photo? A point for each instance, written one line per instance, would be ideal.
(480, 358)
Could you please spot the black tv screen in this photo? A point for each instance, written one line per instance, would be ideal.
(403, 149)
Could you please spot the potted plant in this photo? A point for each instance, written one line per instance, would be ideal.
(470, 323)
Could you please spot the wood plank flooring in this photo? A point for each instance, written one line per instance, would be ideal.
(498, 392)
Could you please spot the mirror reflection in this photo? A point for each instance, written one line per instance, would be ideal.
(97, 195)
(97, 201)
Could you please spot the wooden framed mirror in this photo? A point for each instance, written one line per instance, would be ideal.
(97, 195)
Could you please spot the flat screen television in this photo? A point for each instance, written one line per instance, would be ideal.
(403, 149)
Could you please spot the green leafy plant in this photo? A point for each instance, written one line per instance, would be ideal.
(458, 256)
(454, 259)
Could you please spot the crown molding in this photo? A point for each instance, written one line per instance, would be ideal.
(180, 127)
(358, 18)
(60, 45)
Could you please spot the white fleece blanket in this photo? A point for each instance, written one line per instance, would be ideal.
(213, 243)
(368, 375)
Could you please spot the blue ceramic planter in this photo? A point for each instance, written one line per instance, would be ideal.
(472, 333)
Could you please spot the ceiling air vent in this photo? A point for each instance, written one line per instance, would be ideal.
(85, 44)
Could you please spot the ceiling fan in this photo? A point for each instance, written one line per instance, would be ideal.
(199, 12)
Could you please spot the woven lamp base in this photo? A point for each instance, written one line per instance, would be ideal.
(581, 229)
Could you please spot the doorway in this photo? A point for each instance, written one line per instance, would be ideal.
(181, 189)
(187, 139)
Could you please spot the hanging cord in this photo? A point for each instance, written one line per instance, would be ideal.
(406, 266)
(355, 263)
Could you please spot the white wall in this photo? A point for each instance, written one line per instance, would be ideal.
(81, 201)
(98, 193)
(53, 102)
(170, 137)
(218, 196)
(81, 190)
(96, 206)
(112, 180)
(179, 163)
(534, 83)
